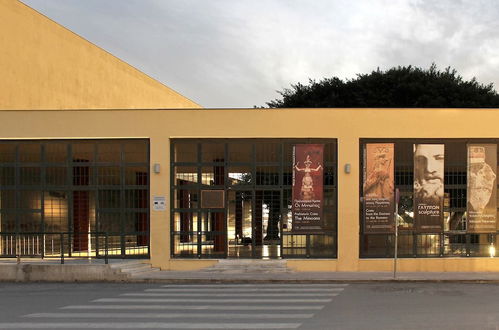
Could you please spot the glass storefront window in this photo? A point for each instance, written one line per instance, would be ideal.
(74, 188)
(186, 175)
(240, 152)
(452, 233)
(212, 152)
(255, 178)
(240, 175)
(186, 152)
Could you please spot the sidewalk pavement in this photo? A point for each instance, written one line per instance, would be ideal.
(314, 277)
(96, 270)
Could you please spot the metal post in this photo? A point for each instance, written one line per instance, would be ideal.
(62, 248)
(107, 248)
(18, 249)
(397, 196)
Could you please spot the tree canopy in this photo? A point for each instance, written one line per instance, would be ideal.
(398, 87)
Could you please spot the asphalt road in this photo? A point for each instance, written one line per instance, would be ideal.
(247, 306)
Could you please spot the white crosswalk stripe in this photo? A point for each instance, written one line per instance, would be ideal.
(200, 306)
(260, 307)
(263, 285)
(214, 301)
(203, 290)
(146, 325)
(169, 315)
(232, 294)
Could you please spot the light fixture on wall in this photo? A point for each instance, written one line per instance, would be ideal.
(348, 168)
(157, 168)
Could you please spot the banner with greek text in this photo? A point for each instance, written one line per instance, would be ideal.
(308, 173)
(429, 187)
(482, 188)
(378, 186)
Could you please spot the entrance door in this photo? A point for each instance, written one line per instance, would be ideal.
(253, 224)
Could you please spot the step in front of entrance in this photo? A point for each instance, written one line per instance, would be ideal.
(249, 266)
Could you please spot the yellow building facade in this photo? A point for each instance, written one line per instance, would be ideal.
(46, 66)
(66, 106)
(348, 126)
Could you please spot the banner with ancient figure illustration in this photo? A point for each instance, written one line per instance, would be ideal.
(482, 188)
(308, 173)
(379, 201)
(429, 187)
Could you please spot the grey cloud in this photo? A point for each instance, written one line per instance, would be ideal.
(236, 53)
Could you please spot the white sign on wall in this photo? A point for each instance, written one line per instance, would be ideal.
(159, 203)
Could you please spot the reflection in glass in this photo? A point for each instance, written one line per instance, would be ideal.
(212, 152)
(239, 229)
(186, 175)
(240, 152)
(240, 175)
(186, 152)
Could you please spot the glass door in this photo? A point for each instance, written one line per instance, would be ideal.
(267, 224)
(239, 224)
(253, 224)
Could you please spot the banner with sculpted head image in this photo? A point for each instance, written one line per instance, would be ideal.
(308, 173)
(482, 188)
(429, 187)
(379, 203)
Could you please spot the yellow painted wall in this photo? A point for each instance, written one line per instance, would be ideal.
(45, 66)
(347, 125)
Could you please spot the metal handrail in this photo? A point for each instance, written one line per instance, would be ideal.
(28, 243)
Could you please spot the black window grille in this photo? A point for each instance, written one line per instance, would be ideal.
(255, 176)
(82, 189)
(453, 240)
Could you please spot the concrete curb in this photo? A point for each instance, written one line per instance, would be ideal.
(59, 273)
(128, 272)
(292, 281)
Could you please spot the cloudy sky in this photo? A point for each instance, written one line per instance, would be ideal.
(238, 53)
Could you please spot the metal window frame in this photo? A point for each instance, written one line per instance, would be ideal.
(469, 247)
(253, 187)
(69, 164)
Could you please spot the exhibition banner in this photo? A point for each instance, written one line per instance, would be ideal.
(308, 193)
(429, 187)
(482, 188)
(378, 187)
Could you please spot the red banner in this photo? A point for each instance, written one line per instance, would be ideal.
(308, 173)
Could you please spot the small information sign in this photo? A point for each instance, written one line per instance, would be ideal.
(159, 203)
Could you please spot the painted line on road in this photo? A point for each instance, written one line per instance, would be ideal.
(262, 285)
(196, 307)
(169, 315)
(213, 301)
(146, 325)
(249, 290)
(240, 295)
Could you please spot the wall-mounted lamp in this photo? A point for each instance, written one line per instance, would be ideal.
(157, 168)
(348, 168)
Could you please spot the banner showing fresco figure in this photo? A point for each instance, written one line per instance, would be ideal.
(379, 200)
(308, 174)
(482, 188)
(429, 187)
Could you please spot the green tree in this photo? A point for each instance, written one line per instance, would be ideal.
(398, 87)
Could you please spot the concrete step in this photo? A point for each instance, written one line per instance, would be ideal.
(126, 264)
(144, 274)
(134, 268)
(248, 266)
